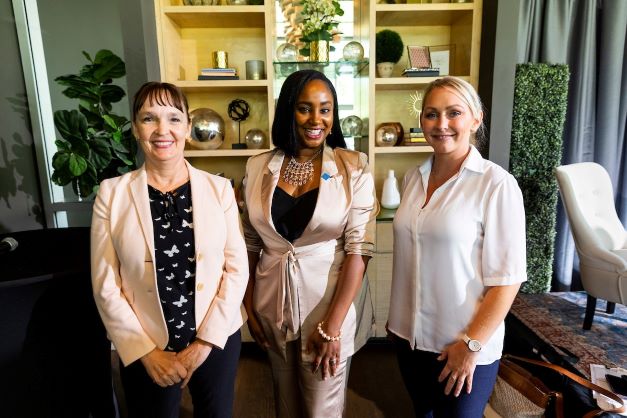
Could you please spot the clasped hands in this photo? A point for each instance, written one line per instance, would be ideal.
(166, 368)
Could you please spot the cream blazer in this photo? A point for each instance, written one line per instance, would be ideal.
(295, 283)
(123, 265)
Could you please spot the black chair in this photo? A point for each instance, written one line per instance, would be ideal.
(55, 359)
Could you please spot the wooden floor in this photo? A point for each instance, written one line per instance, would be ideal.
(375, 388)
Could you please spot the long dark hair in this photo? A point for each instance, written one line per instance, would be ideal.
(284, 135)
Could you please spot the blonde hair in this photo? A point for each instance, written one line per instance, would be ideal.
(467, 92)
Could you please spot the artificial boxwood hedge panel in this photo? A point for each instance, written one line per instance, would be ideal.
(540, 97)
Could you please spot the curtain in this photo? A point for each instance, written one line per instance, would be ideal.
(589, 36)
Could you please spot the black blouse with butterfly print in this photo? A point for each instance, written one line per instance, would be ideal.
(175, 262)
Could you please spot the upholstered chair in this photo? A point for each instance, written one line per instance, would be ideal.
(600, 238)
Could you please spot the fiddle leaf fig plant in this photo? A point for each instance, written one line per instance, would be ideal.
(95, 143)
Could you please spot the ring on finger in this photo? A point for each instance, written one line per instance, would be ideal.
(332, 361)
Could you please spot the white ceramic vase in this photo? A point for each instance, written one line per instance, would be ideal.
(385, 69)
(391, 197)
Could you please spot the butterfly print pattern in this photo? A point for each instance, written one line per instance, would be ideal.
(176, 262)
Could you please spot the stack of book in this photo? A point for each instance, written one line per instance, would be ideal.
(218, 74)
(421, 72)
(415, 137)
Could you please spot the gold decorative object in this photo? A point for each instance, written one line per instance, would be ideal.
(319, 51)
(220, 59)
(389, 134)
(415, 104)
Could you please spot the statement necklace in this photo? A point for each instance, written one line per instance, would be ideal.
(297, 173)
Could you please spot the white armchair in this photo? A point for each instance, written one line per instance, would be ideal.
(600, 238)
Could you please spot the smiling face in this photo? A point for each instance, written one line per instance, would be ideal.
(313, 114)
(447, 122)
(161, 131)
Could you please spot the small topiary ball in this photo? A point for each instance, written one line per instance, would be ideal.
(389, 46)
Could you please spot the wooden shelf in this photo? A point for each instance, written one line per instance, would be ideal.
(217, 16)
(224, 152)
(438, 14)
(403, 149)
(402, 83)
(231, 85)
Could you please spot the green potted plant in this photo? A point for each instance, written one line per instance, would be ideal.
(95, 143)
(389, 49)
(318, 25)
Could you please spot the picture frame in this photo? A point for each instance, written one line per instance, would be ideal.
(442, 57)
(418, 56)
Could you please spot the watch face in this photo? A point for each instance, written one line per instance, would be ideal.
(474, 345)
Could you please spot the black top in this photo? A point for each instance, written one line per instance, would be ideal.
(175, 262)
(292, 214)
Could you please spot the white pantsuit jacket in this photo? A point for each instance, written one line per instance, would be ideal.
(295, 282)
(123, 263)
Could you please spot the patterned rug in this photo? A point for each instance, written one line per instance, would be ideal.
(557, 319)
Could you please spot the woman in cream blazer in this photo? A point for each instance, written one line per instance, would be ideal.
(296, 288)
(132, 279)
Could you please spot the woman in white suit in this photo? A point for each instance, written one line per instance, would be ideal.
(169, 268)
(309, 223)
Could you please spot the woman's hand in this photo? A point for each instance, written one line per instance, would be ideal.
(326, 354)
(459, 368)
(163, 367)
(256, 330)
(193, 356)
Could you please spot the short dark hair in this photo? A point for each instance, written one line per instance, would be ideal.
(164, 94)
(284, 135)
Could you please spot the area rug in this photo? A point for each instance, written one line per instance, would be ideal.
(557, 318)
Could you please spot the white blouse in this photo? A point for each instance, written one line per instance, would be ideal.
(469, 236)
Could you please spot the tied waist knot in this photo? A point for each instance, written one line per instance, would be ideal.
(288, 312)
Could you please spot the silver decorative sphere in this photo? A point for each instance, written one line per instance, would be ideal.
(207, 129)
(286, 52)
(386, 136)
(255, 138)
(351, 126)
(353, 51)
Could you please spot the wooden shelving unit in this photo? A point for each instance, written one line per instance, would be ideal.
(187, 36)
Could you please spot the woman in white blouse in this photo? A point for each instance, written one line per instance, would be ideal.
(459, 260)
(309, 223)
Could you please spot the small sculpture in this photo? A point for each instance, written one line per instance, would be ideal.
(255, 138)
(351, 126)
(353, 51)
(207, 129)
(239, 110)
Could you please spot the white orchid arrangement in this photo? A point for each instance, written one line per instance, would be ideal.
(317, 21)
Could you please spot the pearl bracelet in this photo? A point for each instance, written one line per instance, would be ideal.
(326, 337)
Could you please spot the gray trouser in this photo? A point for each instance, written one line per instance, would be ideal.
(299, 393)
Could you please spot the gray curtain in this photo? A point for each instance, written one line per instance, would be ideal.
(589, 36)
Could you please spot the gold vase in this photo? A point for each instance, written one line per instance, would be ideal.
(319, 51)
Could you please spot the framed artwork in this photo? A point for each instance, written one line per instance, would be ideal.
(442, 57)
(419, 56)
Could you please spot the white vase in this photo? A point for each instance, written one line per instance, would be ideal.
(385, 69)
(391, 197)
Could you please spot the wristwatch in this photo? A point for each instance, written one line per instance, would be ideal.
(473, 345)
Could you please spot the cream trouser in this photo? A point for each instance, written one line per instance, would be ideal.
(299, 393)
